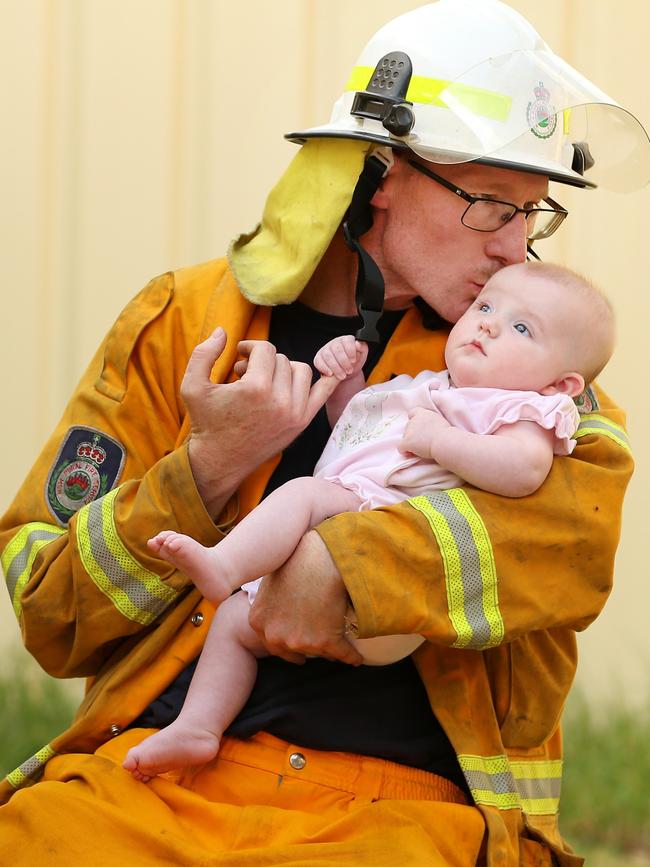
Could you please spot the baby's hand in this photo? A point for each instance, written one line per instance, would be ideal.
(420, 433)
(341, 357)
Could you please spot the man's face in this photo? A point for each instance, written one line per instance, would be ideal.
(421, 245)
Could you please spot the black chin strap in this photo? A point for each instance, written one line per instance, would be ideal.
(531, 253)
(358, 219)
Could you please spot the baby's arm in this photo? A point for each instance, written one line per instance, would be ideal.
(512, 462)
(343, 358)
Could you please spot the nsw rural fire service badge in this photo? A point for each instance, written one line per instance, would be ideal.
(87, 466)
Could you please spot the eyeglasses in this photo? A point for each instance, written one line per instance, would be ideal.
(489, 215)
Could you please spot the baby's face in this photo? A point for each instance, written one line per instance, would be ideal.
(516, 335)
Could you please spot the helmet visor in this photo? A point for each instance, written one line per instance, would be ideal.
(530, 108)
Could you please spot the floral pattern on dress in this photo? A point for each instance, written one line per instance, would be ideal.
(363, 422)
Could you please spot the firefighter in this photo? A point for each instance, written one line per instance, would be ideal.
(431, 175)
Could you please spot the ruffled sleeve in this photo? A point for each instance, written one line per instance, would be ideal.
(484, 410)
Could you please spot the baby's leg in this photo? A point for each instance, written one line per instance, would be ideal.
(262, 542)
(222, 682)
(266, 538)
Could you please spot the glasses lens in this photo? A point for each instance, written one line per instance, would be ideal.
(542, 223)
(486, 216)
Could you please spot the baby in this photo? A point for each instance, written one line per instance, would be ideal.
(532, 340)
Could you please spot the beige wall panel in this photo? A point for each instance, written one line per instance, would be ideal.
(123, 178)
(141, 135)
(22, 52)
(612, 240)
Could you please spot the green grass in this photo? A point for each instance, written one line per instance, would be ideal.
(35, 708)
(605, 799)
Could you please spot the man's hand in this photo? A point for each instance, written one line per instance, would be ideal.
(300, 610)
(421, 430)
(236, 426)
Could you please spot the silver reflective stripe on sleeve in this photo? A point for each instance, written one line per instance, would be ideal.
(497, 781)
(31, 769)
(136, 592)
(19, 555)
(594, 423)
(468, 562)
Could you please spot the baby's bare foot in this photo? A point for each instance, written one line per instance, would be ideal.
(173, 747)
(158, 541)
(194, 560)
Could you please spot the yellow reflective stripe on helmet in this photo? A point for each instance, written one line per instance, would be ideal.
(31, 770)
(426, 91)
(594, 423)
(497, 781)
(136, 592)
(19, 555)
(468, 563)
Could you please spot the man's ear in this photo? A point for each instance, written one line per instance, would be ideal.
(571, 383)
(382, 197)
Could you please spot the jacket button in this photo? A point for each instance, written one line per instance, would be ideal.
(297, 761)
(197, 619)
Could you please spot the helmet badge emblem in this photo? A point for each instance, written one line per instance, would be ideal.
(541, 114)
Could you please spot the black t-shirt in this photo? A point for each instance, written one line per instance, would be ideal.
(378, 711)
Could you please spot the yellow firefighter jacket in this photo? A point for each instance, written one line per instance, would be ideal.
(497, 586)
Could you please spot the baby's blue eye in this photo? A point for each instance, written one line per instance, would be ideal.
(484, 308)
(521, 328)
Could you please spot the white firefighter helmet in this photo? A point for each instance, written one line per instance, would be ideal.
(462, 80)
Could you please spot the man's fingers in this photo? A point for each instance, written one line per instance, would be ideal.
(260, 353)
(287, 655)
(320, 391)
(337, 649)
(202, 359)
(341, 650)
(282, 375)
(240, 367)
(301, 377)
(245, 347)
(261, 360)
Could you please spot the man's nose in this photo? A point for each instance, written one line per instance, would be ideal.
(508, 244)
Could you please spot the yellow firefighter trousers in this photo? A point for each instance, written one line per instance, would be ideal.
(260, 802)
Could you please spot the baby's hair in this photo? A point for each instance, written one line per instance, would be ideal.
(597, 333)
